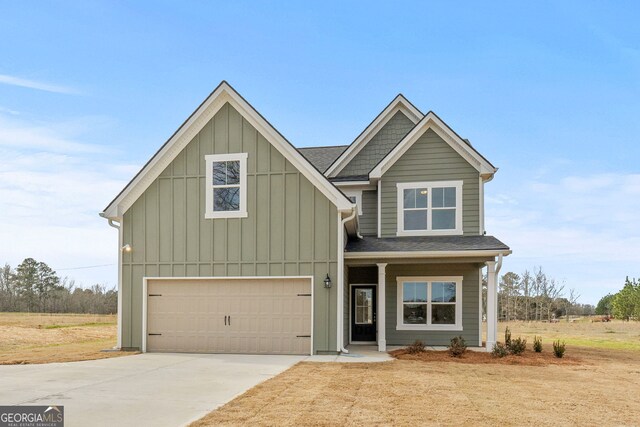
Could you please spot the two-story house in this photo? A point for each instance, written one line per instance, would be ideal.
(231, 240)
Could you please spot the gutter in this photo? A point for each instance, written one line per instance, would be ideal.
(340, 310)
(428, 254)
(111, 222)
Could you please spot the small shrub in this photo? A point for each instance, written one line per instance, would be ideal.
(559, 348)
(517, 345)
(499, 350)
(507, 337)
(416, 348)
(457, 347)
(537, 344)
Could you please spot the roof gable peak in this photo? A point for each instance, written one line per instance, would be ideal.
(432, 121)
(224, 93)
(399, 104)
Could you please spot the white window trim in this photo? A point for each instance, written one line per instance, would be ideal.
(209, 159)
(358, 195)
(401, 186)
(400, 326)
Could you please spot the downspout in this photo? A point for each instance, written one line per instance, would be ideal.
(117, 226)
(340, 310)
(498, 265)
(358, 235)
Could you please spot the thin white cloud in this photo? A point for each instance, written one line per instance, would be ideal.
(51, 190)
(5, 110)
(581, 228)
(56, 138)
(32, 84)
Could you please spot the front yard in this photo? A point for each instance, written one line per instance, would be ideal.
(599, 386)
(45, 338)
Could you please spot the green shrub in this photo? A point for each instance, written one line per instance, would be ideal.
(517, 345)
(457, 347)
(416, 348)
(507, 337)
(537, 344)
(499, 350)
(559, 348)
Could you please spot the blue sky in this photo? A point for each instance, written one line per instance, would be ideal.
(548, 92)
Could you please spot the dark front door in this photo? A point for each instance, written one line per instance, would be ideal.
(363, 313)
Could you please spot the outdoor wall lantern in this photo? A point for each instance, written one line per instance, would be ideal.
(327, 281)
(127, 248)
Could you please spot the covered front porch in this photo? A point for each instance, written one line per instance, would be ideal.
(392, 298)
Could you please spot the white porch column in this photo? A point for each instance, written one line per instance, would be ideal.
(381, 320)
(492, 305)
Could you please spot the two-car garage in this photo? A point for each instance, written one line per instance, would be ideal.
(228, 315)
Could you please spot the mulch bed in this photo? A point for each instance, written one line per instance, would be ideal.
(528, 358)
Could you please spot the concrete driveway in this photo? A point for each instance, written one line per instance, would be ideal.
(139, 390)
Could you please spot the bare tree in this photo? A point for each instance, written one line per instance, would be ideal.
(525, 284)
(572, 300)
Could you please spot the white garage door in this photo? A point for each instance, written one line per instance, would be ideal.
(263, 316)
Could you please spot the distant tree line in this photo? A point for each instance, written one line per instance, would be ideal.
(534, 296)
(623, 305)
(34, 287)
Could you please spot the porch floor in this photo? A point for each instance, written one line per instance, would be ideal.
(357, 353)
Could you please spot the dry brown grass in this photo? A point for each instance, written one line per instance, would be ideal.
(46, 338)
(592, 387)
(617, 334)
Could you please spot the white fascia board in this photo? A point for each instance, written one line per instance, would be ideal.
(426, 254)
(355, 185)
(223, 94)
(431, 121)
(351, 183)
(399, 103)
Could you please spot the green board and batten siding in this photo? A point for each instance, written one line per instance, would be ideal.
(291, 228)
(430, 158)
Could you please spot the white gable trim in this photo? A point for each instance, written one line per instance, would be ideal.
(221, 95)
(431, 121)
(399, 103)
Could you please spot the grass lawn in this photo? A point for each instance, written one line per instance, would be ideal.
(46, 338)
(616, 334)
(598, 384)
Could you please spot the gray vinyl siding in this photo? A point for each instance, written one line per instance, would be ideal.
(431, 159)
(379, 146)
(470, 303)
(291, 228)
(369, 218)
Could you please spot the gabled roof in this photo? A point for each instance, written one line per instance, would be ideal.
(461, 146)
(199, 118)
(399, 103)
(322, 157)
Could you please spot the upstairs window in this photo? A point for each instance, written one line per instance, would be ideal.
(226, 185)
(429, 208)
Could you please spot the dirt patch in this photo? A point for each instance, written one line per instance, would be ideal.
(46, 338)
(412, 392)
(528, 358)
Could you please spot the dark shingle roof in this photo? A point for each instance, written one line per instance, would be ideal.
(425, 243)
(322, 157)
